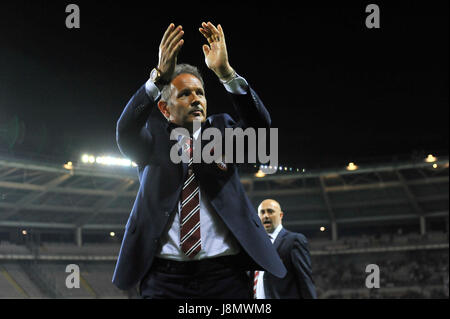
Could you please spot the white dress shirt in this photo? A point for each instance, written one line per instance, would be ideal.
(237, 85)
(260, 294)
(216, 239)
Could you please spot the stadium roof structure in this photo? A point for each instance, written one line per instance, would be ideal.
(49, 196)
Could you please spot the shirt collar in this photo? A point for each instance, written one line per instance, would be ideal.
(197, 133)
(275, 233)
(172, 126)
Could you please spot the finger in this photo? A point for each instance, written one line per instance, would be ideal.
(175, 41)
(204, 33)
(222, 34)
(173, 53)
(177, 48)
(172, 36)
(215, 33)
(207, 35)
(208, 29)
(213, 29)
(206, 50)
(205, 26)
(166, 34)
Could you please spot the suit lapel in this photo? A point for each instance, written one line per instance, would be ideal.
(167, 128)
(283, 232)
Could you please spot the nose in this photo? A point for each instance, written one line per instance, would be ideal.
(195, 99)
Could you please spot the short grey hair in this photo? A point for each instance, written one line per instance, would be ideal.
(180, 69)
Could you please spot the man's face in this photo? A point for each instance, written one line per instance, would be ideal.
(187, 101)
(270, 213)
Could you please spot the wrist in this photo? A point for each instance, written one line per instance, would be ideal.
(227, 75)
(159, 85)
(157, 77)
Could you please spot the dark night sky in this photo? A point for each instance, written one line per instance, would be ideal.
(337, 91)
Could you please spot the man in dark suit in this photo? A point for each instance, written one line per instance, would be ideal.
(293, 250)
(192, 232)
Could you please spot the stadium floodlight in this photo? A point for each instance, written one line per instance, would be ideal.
(322, 228)
(112, 234)
(430, 158)
(24, 232)
(260, 174)
(68, 166)
(107, 160)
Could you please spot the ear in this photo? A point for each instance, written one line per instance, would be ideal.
(281, 215)
(162, 106)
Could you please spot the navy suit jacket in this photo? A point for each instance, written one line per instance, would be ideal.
(298, 283)
(143, 135)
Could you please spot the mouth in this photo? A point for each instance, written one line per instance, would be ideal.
(267, 223)
(196, 113)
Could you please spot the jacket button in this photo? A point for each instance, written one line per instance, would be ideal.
(167, 214)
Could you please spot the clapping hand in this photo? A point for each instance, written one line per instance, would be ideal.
(216, 55)
(171, 44)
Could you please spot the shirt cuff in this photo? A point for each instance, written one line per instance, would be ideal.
(152, 90)
(237, 85)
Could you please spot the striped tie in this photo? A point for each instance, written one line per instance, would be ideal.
(190, 238)
(255, 282)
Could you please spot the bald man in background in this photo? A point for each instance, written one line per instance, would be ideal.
(293, 250)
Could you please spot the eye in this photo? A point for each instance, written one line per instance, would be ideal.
(183, 94)
(199, 92)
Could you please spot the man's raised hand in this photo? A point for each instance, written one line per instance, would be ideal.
(216, 55)
(171, 44)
